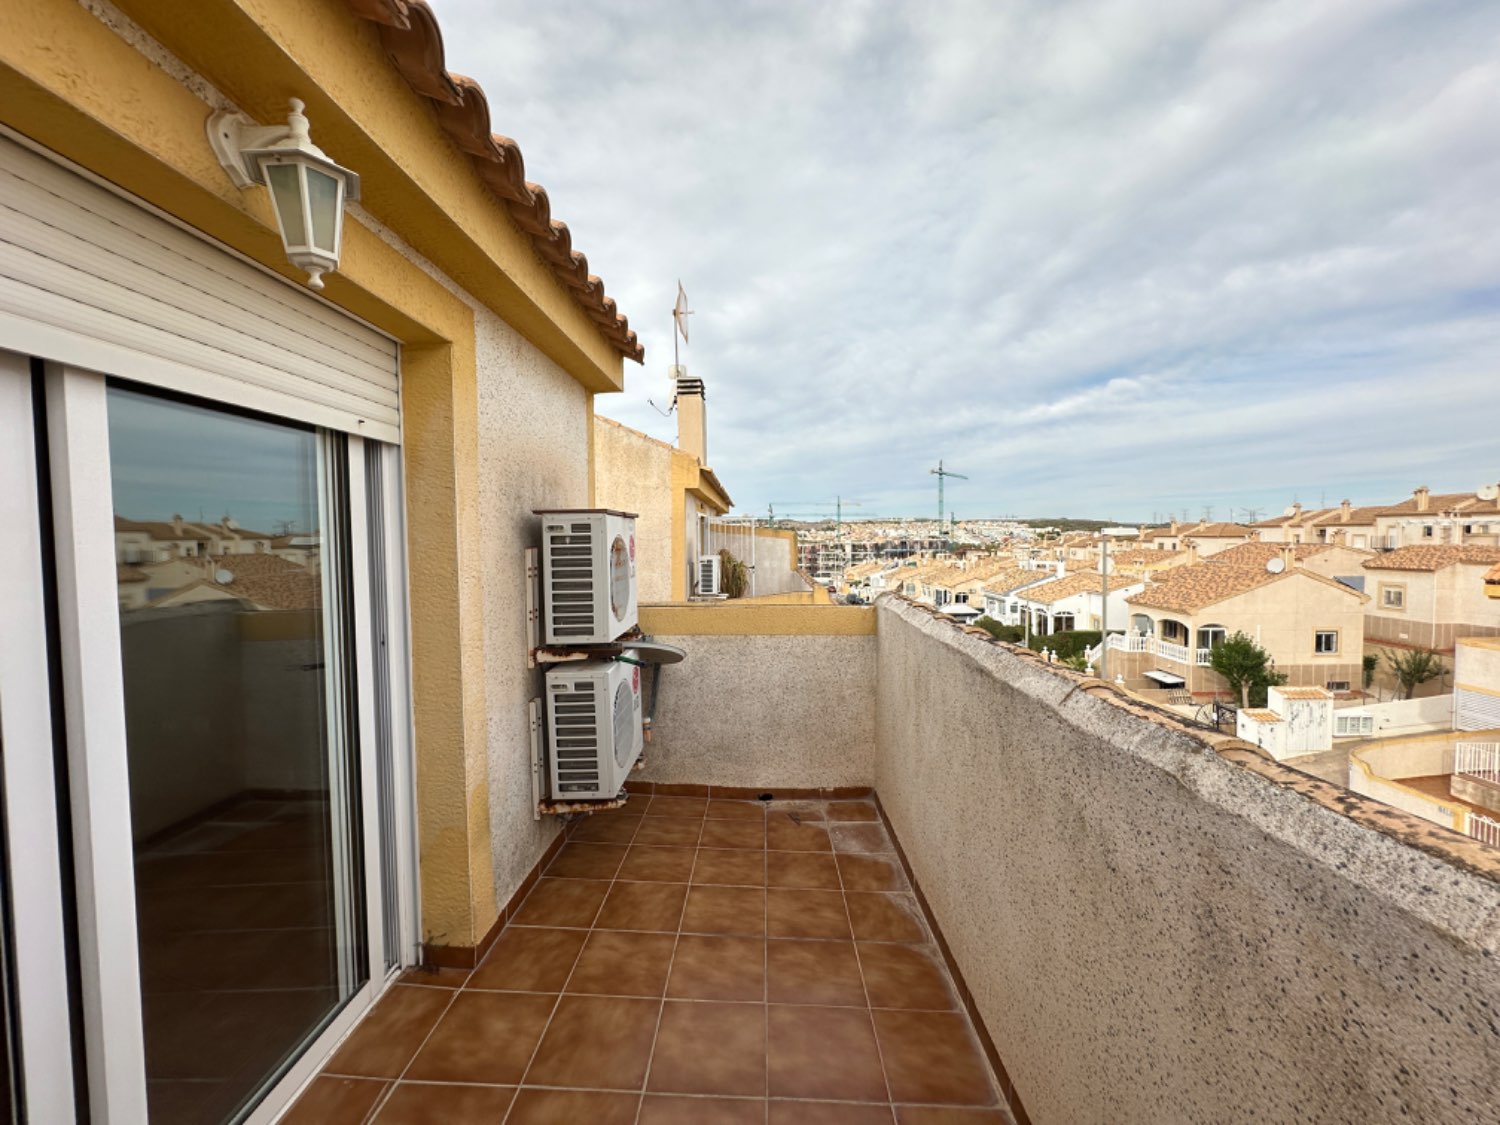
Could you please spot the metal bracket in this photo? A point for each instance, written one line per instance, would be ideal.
(534, 710)
(533, 611)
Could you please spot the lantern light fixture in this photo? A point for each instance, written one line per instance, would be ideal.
(308, 190)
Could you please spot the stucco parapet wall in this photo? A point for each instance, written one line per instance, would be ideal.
(757, 619)
(1447, 880)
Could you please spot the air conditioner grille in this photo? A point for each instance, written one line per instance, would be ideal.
(575, 739)
(570, 560)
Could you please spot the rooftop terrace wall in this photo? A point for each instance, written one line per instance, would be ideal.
(769, 696)
(1157, 927)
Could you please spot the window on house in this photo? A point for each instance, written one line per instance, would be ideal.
(1393, 597)
(1427, 531)
(1337, 685)
(1325, 641)
(1348, 726)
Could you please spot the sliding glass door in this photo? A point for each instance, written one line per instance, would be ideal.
(231, 550)
(202, 745)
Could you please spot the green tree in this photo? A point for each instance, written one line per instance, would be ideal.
(1413, 667)
(1246, 667)
(1370, 663)
(1011, 633)
(734, 576)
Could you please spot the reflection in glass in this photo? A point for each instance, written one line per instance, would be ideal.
(227, 540)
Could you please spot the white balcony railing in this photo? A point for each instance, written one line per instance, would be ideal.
(1479, 760)
(1485, 830)
(1205, 657)
(1177, 654)
(1168, 650)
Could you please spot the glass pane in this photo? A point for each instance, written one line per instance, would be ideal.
(323, 205)
(286, 194)
(228, 533)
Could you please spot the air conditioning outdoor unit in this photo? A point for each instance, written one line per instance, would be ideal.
(588, 575)
(594, 725)
(708, 576)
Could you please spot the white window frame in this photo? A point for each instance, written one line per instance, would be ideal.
(38, 930)
(93, 692)
(1389, 588)
(1318, 634)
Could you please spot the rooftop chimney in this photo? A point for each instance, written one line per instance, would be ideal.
(1423, 497)
(1289, 556)
(1344, 512)
(692, 426)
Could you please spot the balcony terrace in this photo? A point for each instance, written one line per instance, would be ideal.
(1056, 904)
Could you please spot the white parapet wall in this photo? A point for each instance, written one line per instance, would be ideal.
(1155, 928)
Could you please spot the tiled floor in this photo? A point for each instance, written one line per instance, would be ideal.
(684, 960)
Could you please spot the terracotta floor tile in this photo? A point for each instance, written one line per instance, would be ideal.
(643, 906)
(710, 1048)
(931, 1058)
(335, 1101)
(666, 1109)
(796, 808)
(569, 1107)
(657, 865)
(810, 870)
(388, 1037)
(484, 1037)
(602, 1042)
(619, 963)
(783, 835)
(435, 977)
(562, 902)
(794, 913)
(587, 861)
(735, 810)
(824, 1053)
(885, 917)
(725, 910)
(749, 834)
(871, 873)
(677, 806)
(829, 1113)
(813, 972)
(936, 1115)
(726, 867)
(430, 1103)
(861, 839)
(707, 967)
(904, 976)
(529, 960)
(670, 832)
(605, 830)
(847, 811)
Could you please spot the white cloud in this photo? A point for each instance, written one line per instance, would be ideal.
(1101, 256)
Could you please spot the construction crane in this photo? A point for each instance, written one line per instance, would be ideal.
(811, 510)
(941, 473)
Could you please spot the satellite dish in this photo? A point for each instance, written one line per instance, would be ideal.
(676, 371)
(1489, 492)
(1275, 566)
(223, 577)
(1289, 511)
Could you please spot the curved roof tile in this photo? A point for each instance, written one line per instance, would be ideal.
(411, 37)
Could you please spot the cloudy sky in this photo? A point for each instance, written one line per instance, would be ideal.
(1105, 258)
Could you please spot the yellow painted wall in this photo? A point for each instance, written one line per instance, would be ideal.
(757, 619)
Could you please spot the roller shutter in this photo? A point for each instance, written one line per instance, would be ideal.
(1475, 710)
(98, 281)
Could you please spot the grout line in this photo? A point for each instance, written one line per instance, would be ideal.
(563, 990)
(390, 1089)
(869, 1008)
(640, 1105)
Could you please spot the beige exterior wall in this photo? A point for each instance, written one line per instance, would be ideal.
(533, 453)
(1282, 617)
(633, 473)
(769, 696)
(776, 563)
(1152, 932)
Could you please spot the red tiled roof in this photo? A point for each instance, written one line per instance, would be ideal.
(1434, 557)
(412, 40)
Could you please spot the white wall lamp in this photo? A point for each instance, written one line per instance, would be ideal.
(308, 190)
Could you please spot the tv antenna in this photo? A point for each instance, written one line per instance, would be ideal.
(941, 473)
(680, 313)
